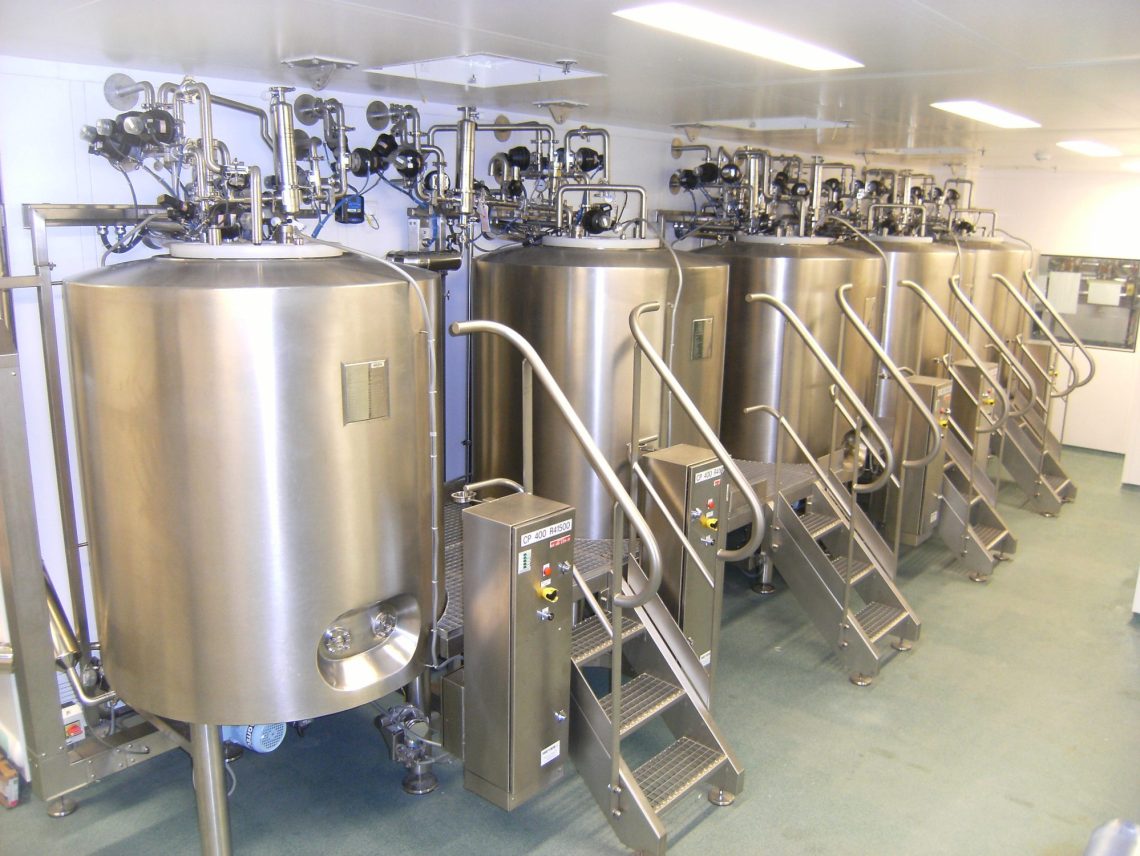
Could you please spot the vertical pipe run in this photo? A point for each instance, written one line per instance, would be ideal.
(210, 788)
(285, 159)
(465, 163)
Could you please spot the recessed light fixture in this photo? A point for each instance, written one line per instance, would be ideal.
(780, 123)
(737, 35)
(979, 111)
(1090, 148)
(486, 71)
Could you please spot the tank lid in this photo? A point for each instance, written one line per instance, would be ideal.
(602, 243)
(195, 250)
(900, 239)
(784, 239)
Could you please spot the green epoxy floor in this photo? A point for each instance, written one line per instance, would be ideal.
(1012, 728)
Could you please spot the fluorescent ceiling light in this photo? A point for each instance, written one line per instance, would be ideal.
(697, 23)
(982, 112)
(1090, 148)
(1131, 166)
(922, 151)
(779, 123)
(485, 71)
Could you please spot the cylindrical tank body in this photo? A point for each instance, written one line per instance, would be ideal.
(253, 435)
(765, 362)
(571, 299)
(981, 258)
(911, 335)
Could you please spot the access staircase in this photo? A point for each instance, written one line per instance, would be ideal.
(1026, 446)
(969, 523)
(644, 680)
(830, 554)
(661, 681)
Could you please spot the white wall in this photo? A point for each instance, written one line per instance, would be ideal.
(1091, 214)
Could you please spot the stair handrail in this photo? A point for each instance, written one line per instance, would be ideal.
(971, 355)
(888, 455)
(1001, 347)
(935, 444)
(845, 502)
(1048, 334)
(1063, 324)
(705, 430)
(594, 456)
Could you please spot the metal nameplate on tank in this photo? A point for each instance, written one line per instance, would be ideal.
(365, 390)
(702, 339)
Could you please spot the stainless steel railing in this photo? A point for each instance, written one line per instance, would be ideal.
(682, 398)
(934, 445)
(885, 453)
(624, 508)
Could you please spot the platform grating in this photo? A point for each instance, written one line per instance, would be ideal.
(641, 699)
(818, 524)
(988, 536)
(859, 568)
(589, 638)
(672, 773)
(879, 619)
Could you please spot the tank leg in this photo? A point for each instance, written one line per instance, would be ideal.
(765, 587)
(420, 779)
(210, 786)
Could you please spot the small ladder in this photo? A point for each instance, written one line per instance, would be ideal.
(1034, 467)
(663, 680)
(969, 523)
(809, 545)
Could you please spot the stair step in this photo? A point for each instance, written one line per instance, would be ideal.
(641, 699)
(673, 772)
(879, 619)
(1056, 483)
(589, 638)
(988, 536)
(818, 524)
(859, 568)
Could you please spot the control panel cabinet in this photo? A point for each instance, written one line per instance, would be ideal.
(517, 555)
(694, 488)
(922, 490)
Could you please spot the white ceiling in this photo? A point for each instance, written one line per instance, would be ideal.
(1073, 67)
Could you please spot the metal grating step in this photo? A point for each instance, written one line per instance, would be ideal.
(818, 524)
(589, 638)
(988, 536)
(879, 619)
(641, 699)
(673, 772)
(1056, 483)
(859, 568)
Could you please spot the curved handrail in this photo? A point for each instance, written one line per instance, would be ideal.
(970, 353)
(1002, 348)
(893, 370)
(1064, 325)
(594, 455)
(836, 378)
(706, 433)
(1024, 304)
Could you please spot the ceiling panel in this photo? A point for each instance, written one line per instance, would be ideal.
(1073, 67)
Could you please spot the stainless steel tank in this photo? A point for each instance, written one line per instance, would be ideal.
(253, 435)
(765, 362)
(909, 333)
(981, 258)
(571, 298)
